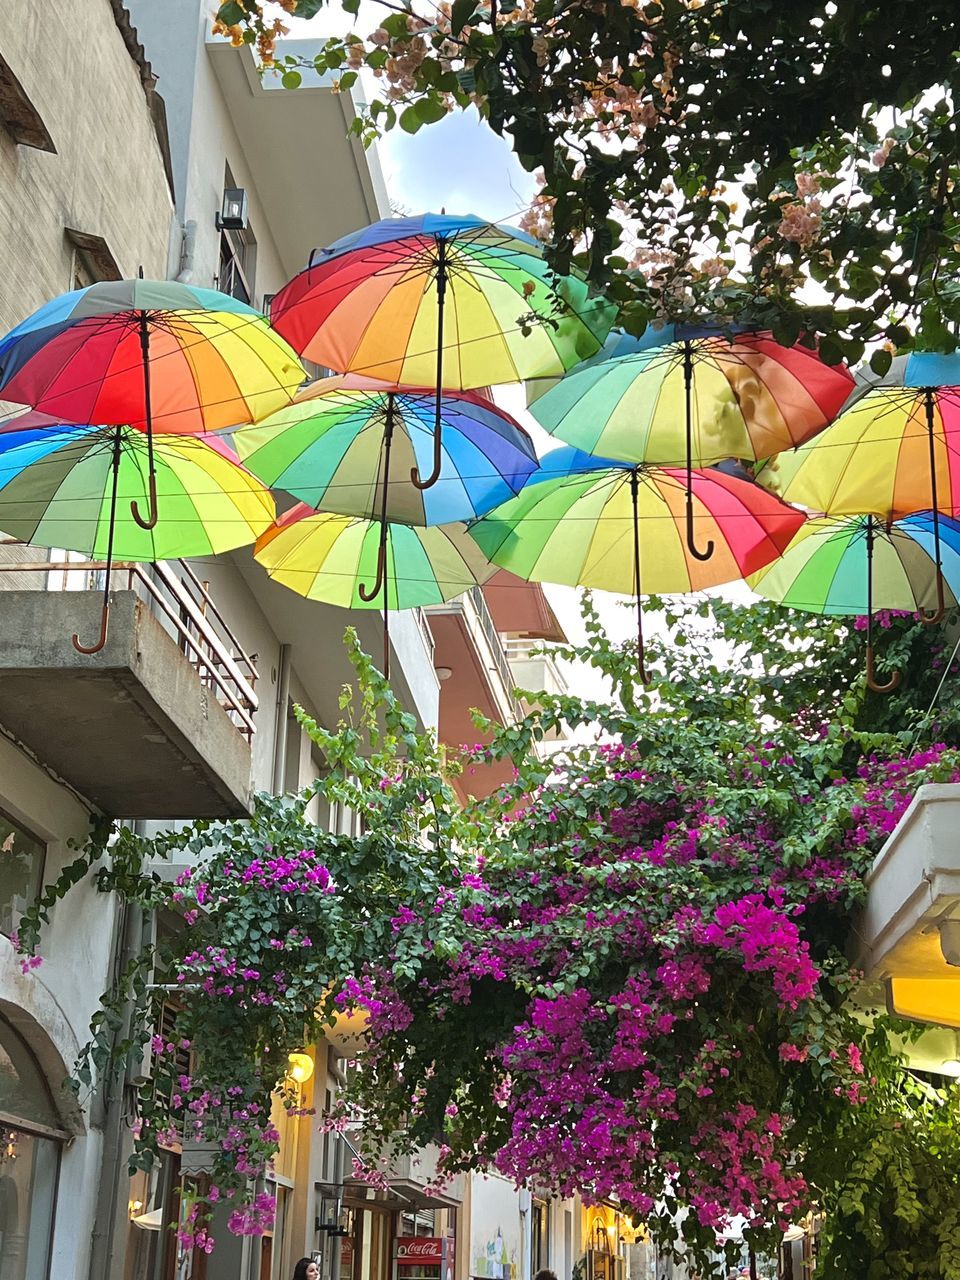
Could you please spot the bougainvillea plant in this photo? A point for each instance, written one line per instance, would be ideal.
(697, 157)
(624, 975)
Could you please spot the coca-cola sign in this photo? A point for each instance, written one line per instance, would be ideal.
(420, 1251)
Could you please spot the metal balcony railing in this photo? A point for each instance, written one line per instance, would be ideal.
(183, 606)
(495, 643)
(523, 649)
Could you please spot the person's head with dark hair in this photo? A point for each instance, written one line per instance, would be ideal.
(544, 1274)
(306, 1269)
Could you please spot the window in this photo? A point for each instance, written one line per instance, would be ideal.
(540, 1236)
(30, 1142)
(21, 875)
(423, 1222)
(238, 258)
(91, 259)
(19, 116)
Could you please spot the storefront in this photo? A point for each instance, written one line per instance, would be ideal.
(400, 1231)
(424, 1258)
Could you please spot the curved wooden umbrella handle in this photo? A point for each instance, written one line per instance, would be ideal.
(872, 683)
(692, 546)
(438, 424)
(931, 619)
(101, 640)
(151, 521)
(366, 595)
(434, 475)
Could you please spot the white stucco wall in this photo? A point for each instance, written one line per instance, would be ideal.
(51, 1006)
(203, 140)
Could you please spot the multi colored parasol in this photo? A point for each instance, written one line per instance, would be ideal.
(332, 558)
(892, 453)
(855, 564)
(70, 486)
(697, 400)
(329, 448)
(436, 300)
(592, 522)
(149, 354)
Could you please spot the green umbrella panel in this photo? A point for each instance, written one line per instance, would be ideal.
(73, 486)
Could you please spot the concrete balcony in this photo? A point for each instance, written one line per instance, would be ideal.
(475, 674)
(534, 670)
(155, 725)
(909, 937)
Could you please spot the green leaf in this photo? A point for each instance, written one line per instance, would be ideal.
(461, 15)
(430, 110)
(409, 119)
(291, 79)
(231, 13)
(880, 362)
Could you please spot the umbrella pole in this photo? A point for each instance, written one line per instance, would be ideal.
(441, 295)
(894, 680)
(386, 632)
(634, 498)
(930, 619)
(105, 608)
(151, 519)
(688, 398)
(381, 582)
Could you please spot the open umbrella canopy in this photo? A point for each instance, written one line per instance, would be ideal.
(213, 361)
(749, 397)
(330, 557)
(370, 304)
(825, 568)
(574, 524)
(56, 490)
(890, 453)
(619, 343)
(328, 448)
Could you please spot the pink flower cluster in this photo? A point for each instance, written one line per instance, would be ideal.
(255, 1218)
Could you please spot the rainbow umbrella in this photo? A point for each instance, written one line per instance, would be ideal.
(855, 564)
(440, 301)
(617, 343)
(332, 448)
(61, 486)
(148, 353)
(331, 558)
(696, 400)
(592, 522)
(893, 452)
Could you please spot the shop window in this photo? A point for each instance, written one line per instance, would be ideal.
(30, 1143)
(22, 857)
(421, 1223)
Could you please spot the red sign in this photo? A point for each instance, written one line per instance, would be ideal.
(420, 1251)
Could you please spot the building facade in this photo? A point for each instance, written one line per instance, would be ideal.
(82, 197)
